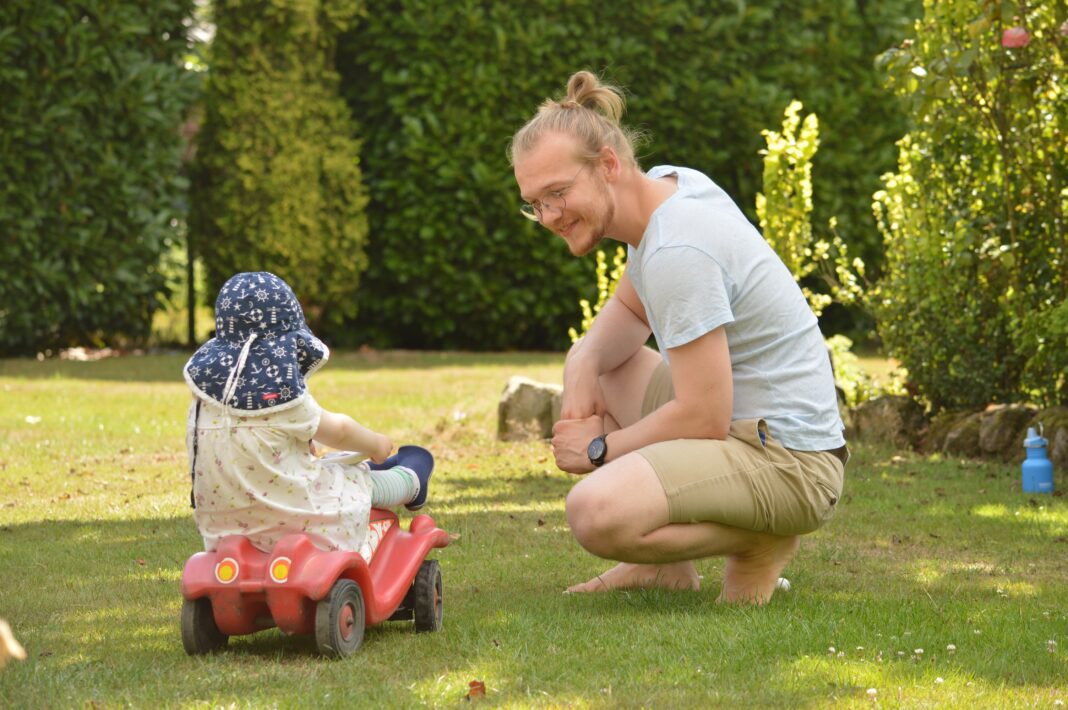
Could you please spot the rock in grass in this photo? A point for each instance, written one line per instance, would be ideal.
(527, 409)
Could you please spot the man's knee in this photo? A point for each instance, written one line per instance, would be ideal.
(594, 521)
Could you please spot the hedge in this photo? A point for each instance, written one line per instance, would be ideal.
(277, 185)
(439, 88)
(93, 95)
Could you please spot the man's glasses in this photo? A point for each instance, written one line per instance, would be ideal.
(552, 200)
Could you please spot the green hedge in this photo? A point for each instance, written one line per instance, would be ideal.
(93, 95)
(439, 88)
(972, 301)
(277, 185)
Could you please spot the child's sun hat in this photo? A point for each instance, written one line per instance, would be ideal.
(262, 350)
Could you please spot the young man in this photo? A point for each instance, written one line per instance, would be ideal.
(728, 442)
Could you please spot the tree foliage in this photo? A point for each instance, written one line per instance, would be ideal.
(277, 185)
(93, 95)
(973, 219)
(439, 89)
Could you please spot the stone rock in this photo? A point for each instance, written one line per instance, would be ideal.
(963, 438)
(940, 428)
(895, 419)
(1054, 421)
(1001, 430)
(527, 409)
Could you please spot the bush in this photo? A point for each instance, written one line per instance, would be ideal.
(973, 220)
(439, 89)
(93, 95)
(277, 183)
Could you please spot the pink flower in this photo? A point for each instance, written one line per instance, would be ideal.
(1015, 37)
(1064, 29)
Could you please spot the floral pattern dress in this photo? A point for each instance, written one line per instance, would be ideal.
(255, 476)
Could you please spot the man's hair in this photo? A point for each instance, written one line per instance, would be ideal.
(590, 112)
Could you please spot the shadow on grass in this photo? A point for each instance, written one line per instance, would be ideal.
(168, 367)
(96, 604)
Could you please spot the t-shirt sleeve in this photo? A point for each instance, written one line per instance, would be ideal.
(686, 294)
(299, 422)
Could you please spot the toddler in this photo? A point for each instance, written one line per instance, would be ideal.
(252, 424)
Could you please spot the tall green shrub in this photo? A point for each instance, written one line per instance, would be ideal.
(92, 94)
(439, 89)
(973, 220)
(277, 183)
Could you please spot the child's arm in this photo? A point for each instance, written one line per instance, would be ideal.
(340, 431)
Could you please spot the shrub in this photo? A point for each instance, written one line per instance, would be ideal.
(277, 184)
(93, 94)
(973, 220)
(439, 89)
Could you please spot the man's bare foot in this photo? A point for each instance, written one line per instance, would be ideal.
(677, 575)
(751, 577)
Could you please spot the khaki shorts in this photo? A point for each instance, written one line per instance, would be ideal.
(743, 481)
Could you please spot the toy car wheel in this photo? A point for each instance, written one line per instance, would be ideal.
(199, 632)
(339, 619)
(427, 595)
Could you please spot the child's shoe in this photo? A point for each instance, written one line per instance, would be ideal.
(418, 460)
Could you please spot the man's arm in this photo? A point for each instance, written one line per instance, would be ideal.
(618, 332)
(702, 408)
(704, 396)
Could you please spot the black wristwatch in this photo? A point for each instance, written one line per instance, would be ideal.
(597, 450)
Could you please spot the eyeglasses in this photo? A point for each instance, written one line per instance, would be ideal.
(552, 200)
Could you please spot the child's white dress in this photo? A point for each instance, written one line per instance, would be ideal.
(255, 476)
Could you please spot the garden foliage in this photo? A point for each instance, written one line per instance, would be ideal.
(976, 274)
(439, 89)
(277, 185)
(93, 96)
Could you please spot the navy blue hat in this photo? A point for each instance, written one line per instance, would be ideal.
(262, 349)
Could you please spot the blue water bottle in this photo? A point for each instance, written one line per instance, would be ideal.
(1037, 469)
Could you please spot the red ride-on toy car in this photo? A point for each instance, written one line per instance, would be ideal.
(302, 589)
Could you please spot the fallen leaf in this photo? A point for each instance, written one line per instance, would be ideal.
(541, 521)
(476, 689)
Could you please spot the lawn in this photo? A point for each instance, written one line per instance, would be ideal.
(938, 584)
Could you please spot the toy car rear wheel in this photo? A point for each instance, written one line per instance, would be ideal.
(339, 619)
(427, 597)
(199, 632)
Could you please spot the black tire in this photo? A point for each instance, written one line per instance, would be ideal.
(199, 632)
(339, 619)
(427, 593)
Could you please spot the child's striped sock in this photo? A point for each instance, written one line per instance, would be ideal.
(393, 486)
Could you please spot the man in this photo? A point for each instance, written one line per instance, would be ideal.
(728, 442)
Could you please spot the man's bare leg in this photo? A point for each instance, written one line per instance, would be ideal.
(635, 528)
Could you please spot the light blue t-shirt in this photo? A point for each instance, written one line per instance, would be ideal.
(701, 265)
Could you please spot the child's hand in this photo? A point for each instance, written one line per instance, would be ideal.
(383, 450)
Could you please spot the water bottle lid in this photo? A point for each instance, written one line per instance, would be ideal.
(1033, 439)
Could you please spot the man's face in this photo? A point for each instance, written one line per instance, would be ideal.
(570, 196)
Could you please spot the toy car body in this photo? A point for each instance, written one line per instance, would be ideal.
(302, 589)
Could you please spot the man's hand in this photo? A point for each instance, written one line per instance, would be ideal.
(582, 396)
(571, 438)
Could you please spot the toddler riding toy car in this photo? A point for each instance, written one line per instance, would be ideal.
(302, 589)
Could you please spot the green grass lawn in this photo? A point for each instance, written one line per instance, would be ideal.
(938, 584)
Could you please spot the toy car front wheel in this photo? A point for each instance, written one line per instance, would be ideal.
(427, 592)
(339, 619)
(199, 632)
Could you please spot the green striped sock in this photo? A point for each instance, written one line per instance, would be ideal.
(393, 487)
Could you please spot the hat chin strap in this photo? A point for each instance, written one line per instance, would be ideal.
(231, 381)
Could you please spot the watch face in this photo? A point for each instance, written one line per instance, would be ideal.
(596, 450)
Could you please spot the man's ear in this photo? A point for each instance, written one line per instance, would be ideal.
(610, 163)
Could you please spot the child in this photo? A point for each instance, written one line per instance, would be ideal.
(251, 428)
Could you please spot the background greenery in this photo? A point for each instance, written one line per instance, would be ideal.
(973, 298)
(93, 95)
(95, 528)
(439, 90)
(277, 184)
